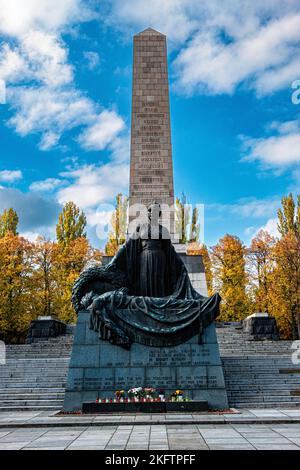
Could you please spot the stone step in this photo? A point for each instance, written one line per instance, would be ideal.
(260, 385)
(267, 399)
(33, 383)
(31, 407)
(31, 396)
(253, 405)
(35, 374)
(31, 375)
(30, 403)
(256, 389)
(261, 393)
(41, 390)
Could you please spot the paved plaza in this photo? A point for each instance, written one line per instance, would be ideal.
(272, 429)
(154, 437)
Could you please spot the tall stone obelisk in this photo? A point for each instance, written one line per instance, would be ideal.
(151, 171)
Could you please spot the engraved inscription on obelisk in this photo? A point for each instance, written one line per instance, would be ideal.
(151, 172)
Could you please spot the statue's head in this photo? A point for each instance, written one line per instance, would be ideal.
(154, 212)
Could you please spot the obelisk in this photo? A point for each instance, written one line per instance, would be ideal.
(151, 171)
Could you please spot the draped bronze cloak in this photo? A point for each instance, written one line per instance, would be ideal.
(122, 316)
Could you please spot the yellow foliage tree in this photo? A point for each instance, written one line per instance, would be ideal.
(285, 292)
(43, 276)
(230, 277)
(261, 270)
(71, 224)
(16, 287)
(70, 255)
(195, 248)
(9, 222)
(117, 236)
(68, 262)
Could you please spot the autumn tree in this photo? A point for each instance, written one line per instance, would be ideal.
(195, 227)
(117, 235)
(68, 262)
(286, 282)
(195, 248)
(182, 218)
(9, 222)
(286, 286)
(16, 287)
(71, 224)
(289, 216)
(43, 277)
(230, 277)
(186, 221)
(71, 254)
(261, 269)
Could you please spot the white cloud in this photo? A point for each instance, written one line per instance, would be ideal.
(48, 184)
(47, 57)
(40, 80)
(45, 232)
(49, 140)
(120, 148)
(41, 109)
(279, 150)
(9, 176)
(92, 58)
(249, 207)
(170, 17)
(270, 227)
(17, 17)
(221, 45)
(93, 185)
(12, 64)
(266, 58)
(106, 127)
(31, 236)
(102, 215)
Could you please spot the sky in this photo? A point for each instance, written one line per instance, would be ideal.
(65, 94)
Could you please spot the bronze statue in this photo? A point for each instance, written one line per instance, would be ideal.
(144, 294)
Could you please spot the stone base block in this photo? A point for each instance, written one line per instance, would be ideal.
(44, 328)
(97, 368)
(261, 327)
(146, 407)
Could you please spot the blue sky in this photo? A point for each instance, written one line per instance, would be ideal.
(65, 125)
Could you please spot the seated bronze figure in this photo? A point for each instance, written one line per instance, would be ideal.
(144, 294)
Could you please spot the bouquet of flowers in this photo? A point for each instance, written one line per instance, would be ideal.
(177, 395)
(136, 392)
(149, 392)
(120, 394)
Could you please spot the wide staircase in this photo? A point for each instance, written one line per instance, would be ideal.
(34, 376)
(257, 373)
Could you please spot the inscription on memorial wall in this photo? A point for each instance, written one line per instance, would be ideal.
(187, 364)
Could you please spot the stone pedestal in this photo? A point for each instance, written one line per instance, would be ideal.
(98, 368)
(45, 327)
(261, 326)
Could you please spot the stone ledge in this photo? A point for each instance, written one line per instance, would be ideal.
(232, 416)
